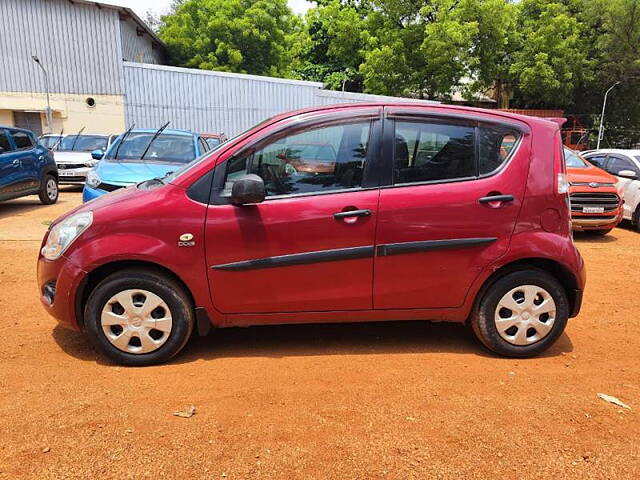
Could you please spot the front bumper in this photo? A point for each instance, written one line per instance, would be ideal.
(58, 283)
(590, 222)
(73, 175)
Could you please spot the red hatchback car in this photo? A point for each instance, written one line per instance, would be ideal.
(428, 213)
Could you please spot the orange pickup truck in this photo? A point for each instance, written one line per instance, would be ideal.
(596, 206)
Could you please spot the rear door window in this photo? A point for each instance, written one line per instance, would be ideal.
(598, 160)
(429, 151)
(495, 147)
(22, 140)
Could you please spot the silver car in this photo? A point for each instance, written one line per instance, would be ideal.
(73, 155)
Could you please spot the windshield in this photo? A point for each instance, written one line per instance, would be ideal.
(49, 141)
(572, 160)
(84, 143)
(212, 142)
(166, 147)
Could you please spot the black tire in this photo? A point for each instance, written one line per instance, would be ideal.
(484, 325)
(599, 233)
(636, 219)
(170, 291)
(47, 194)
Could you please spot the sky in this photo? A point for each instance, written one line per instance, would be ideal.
(159, 7)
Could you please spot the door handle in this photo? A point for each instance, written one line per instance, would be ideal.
(496, 198)
(352, 213)
(16, 162)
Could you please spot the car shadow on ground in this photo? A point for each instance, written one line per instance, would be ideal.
(586, 237)
(19, 206)
(278, 341)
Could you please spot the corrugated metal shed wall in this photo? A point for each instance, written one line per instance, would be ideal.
(137, 48)
(78, 44)
(205, 101)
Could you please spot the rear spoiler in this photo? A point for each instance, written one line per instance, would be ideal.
(559, 120)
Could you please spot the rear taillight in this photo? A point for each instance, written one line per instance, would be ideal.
(563, 183)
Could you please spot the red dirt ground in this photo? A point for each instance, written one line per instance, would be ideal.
(367, 401)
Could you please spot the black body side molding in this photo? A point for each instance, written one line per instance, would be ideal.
(411, 247)
(299, 258)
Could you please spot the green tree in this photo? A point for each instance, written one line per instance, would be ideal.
(246, 36)
(551, 60)
(419, 48)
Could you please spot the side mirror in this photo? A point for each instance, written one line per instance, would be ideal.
(627, 174)
(97, 154)
(248, 189)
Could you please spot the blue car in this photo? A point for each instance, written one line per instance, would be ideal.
(26, 167)
(140, 155)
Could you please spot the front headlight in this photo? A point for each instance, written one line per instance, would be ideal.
(93, 180)
(64, 233)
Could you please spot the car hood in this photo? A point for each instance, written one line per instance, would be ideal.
(589, 175)
(125, 173)
(72, 157)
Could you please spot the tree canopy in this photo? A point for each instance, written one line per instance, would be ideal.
(523, 54)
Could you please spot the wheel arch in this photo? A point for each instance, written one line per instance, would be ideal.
(552, 267)
(95, 276)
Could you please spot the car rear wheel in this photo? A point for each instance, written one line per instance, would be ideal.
(139, 317)
(521, 314)
(48, 190)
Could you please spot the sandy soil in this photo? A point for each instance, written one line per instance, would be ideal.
(392, 400)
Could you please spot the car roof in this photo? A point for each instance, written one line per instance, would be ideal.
(462, 110)
(16, 129)
(166, 130)
(616, 150)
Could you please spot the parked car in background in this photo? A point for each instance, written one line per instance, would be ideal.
(50, 140)
(431, 212)
(140, 155)
(213, 139)
(73, 155)
(625, 166)
(26, 167)
(596, 206)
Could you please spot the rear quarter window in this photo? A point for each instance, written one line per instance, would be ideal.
(22, 140)
(495, 147)
(4, 143)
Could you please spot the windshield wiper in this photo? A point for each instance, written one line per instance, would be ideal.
(75, 140)
(57, 144)
(122, 139)
(153, 139)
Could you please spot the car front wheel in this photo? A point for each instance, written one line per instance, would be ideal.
(48, 190)
(521, 314)
(139, 317)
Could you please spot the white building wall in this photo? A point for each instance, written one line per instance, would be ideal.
(207, 101)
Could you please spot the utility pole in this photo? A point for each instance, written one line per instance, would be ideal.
(46, 79)
(604, 105)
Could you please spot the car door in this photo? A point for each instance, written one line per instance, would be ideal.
(28, 157)
(9, 166)
(450, 206)
(629, 187)
(309, 245)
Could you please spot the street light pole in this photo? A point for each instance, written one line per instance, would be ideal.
(604, 105)
(46, 79)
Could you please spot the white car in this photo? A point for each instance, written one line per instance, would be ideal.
(625, 165)
(73, 155)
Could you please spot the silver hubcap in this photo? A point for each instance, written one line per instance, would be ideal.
(52, 188)
(525, 315)
(136, 321)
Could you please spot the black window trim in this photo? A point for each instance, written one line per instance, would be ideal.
(373, 161)
(448, 119)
